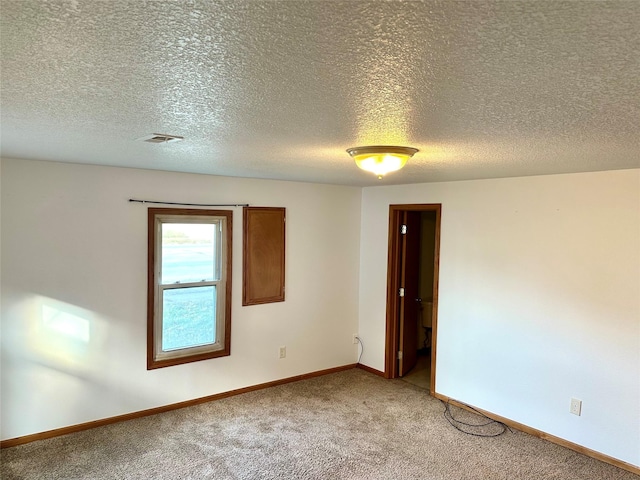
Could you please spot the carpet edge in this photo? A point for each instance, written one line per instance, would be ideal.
(543, 435)
(14, 442)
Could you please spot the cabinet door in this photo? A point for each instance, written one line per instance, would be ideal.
(263, 255)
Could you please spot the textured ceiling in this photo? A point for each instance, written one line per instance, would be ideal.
(279, 89)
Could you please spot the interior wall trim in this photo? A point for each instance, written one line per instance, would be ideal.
(366, 368)
(543, 435)
(13, 442)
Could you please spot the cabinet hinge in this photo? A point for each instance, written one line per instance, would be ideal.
(403, 229)
(401, 292)
(399, 355)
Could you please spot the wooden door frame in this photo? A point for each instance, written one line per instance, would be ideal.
(392, 330)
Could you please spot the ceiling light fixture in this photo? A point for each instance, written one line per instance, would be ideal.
(381, 159)
(160, 138)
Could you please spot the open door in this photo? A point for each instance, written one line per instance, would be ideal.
(404, 278)
(409, 292)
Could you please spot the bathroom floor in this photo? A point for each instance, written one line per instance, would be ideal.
(420, 375)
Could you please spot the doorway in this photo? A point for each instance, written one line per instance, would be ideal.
(412, 291)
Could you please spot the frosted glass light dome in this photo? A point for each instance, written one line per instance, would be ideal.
(381, 159)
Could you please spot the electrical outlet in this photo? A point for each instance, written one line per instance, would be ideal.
(576, 406)
(355, 338)
(283, 352)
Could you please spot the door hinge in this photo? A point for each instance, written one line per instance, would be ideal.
(403, 229)
(399, 355)
(401, 292)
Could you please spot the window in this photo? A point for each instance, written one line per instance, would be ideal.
(189, 286)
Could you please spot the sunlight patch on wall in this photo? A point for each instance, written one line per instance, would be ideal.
(65, 324)
(61, 333)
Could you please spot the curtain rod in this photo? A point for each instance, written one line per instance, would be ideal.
(193, 204)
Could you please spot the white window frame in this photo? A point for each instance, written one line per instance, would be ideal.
(156, 356)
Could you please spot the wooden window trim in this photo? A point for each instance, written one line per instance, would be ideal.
(152, 362)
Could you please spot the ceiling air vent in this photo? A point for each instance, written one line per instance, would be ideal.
(160, 138)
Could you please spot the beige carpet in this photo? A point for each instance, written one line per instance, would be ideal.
(348, 425)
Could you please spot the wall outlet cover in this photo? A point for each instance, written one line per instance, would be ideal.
(576, 406)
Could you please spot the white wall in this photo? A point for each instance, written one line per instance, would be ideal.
(539, 295)
(539, 299)
(73, 246)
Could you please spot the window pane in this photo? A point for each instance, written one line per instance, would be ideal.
(188, 252)
(188, 317)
